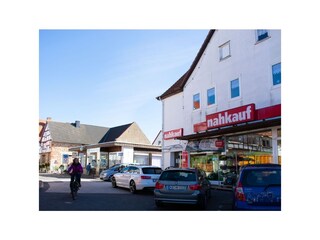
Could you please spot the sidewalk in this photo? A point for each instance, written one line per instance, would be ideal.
(65, 175)
(57, 177)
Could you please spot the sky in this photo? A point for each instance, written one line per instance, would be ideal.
(112, 77)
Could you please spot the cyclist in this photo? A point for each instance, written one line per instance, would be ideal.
(75, 170)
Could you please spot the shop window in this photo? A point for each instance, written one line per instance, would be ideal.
(177, 159)
(276, 74)
(262, 34)
(211, 96)
(235, 88)
(279, 132)
(224, 51)
(279, 151)
(196, 101)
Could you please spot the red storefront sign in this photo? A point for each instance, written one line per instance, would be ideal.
(173, 134)
(232, 116)
(219, 143)
(259, 114)
(184, 159)
(200, 127)
(268, 112)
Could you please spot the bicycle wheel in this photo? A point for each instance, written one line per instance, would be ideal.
(74, 190)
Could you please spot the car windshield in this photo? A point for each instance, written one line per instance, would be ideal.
(151, 170)
(178, 176)
(261, 177)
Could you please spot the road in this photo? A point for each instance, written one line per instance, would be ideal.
(96, 195)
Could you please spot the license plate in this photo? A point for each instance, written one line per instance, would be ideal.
(170, 187)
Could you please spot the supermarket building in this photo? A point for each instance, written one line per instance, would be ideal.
(225, 111)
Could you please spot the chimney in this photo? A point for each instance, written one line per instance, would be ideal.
(77, 124)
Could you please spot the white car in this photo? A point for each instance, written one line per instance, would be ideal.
(137, 177)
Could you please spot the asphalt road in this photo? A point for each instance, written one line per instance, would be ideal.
(96, 195)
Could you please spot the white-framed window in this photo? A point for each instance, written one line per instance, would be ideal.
(276, 74)
(196, 101)
(224, 50)
(211, 96)
(235, 88)
(262, 34)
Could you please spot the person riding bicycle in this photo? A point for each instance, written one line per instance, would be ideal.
(75, 170)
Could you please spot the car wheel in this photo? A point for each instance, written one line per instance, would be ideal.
(132, 187)
(110, 178)
(114, 183)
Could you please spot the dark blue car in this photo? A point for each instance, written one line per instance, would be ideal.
(258, 188)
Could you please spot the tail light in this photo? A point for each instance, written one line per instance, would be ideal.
(239, 193)
(145, 177)
(159, 185)
(195, 187)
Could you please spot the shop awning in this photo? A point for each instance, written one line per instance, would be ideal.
(235, 129)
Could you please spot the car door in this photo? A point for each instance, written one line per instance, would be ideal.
(127, 176)
(121, 176)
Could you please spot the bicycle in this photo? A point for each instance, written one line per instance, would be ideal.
(74, 189)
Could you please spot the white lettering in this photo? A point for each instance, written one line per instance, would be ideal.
(226, 118)
(242, 116)
(235, 117)
(221, 119)
(173, 134)
(248, 112)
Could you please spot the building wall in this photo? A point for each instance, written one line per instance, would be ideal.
(134, 135)
(250, 61)
(57, 151)
(127, 154)
(173, 118)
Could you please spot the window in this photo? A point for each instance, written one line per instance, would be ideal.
(235, 88)
(276, 74)
(224, 51)
(151, 170)
(262, 34)
(196, 101)
(211, 93)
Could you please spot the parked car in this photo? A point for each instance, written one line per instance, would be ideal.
(137, 177)
(106, 175)
(182, 186)
(258, 188)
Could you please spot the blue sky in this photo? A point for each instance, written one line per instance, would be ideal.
(112, 77)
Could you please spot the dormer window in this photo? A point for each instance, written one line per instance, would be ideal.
(224, 50)
(262, 34)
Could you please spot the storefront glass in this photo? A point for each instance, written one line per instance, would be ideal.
(141, 159)
(114, 158)
(251, 148)
(240, 150)
(177, 159)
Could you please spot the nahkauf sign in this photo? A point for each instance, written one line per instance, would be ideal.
(231, 116)
(173, 134)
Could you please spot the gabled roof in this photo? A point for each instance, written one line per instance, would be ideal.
(69, 133)
(177, 87)
(114, 133)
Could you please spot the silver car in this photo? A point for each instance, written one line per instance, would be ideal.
(107, 174)
(182, 185)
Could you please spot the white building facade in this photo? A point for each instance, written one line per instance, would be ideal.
(225, 111)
